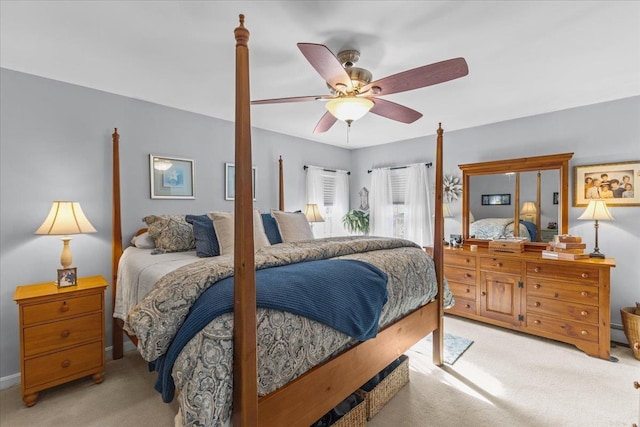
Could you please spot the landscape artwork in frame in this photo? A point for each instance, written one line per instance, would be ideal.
(171, 177)
(616, 183)
(496, 199)
(230, 181)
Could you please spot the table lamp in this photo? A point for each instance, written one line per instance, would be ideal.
(312, 213)
(597, 210)
(65, 218)
(528, 211)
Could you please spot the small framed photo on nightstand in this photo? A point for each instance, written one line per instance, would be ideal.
(67, 277)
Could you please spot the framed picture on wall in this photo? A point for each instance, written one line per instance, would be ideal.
(230, 181)
(496, 199)
(555, 197)
(614, 182)
(171, 177)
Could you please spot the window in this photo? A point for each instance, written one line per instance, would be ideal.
(398, 190)
(330, 190)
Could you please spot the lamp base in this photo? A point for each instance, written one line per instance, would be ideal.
(596, 255)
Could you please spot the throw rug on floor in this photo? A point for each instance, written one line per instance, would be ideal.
(454, 347)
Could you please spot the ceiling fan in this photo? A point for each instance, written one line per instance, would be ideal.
(353, 94)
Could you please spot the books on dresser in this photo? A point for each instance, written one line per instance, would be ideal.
(563, 255)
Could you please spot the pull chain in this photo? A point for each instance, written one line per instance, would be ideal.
(348, 129)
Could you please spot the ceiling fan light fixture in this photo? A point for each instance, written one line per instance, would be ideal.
(349, 108)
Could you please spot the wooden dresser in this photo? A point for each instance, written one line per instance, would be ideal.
(61, 334)
(567, 301)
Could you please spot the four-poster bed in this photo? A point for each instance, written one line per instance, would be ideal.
(311, 394)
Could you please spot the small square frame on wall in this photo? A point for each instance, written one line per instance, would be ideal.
(171, 177)
(230, 181)
(606, 176)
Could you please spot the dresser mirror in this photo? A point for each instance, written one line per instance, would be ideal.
(532, 192)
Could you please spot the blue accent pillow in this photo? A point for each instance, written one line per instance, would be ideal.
(205, 236)
(271, 228)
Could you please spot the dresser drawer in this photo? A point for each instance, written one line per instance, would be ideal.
(564, 291)
(460, 275)
(460, 260)
(502, 265)
(570, 273)
(52, 336)
(463, 306)
(562, 309)
(61, 308)
(562, 328)
(462, 290)
(63, 364)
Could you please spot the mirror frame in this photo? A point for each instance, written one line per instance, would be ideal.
(558, 162)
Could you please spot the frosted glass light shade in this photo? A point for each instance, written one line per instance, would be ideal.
(349, 108)
(312, 213)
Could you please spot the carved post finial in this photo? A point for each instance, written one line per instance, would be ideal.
(241, 33)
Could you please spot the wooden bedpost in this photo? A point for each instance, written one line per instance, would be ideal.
(281, 185)
(438, 234)
(245, 365)
(116, 245)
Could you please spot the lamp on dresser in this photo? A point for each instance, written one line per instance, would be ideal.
(312, 213)
(528, 211)
(597, 210)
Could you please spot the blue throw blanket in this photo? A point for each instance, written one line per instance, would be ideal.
(347, 295)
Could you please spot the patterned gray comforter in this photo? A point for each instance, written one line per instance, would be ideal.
(288, 345)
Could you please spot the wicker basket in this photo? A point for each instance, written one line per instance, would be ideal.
(631, 324)
(356, 417)
(386, 389)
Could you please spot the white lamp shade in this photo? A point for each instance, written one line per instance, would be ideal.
(66, 218)
(597, 209)
(349, 108)
(312, 213)
(528, 208)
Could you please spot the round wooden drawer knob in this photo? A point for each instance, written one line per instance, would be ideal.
(537, 304)
(467, 275)
(585, 275)
(467, 290)
(584, 293)
(467, 306)
(483, 293)
(583, 332)
(584, 312)
(65, 333)
(536, 286)
(499, 264)
(537, 269)
(64, 306)
(537, 322)
(65, 363)
(467, 260)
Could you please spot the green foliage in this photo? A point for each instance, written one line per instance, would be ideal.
(356, 222)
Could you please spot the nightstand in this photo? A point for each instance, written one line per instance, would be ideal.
(546, 235)
(61, 334)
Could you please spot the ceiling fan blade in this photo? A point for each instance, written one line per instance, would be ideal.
(325, 123)
(292, 99)
(394, 111)
(416, 78)
(326, 64)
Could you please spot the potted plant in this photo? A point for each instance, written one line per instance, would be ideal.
(356, 222)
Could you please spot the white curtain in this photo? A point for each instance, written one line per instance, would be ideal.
(340, 204)
(417, 219)
(315, 187)
(381, 204)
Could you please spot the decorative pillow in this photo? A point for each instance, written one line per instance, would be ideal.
(205, 235)
(271, 228)
(223, 223)
(143, 241)
(293, 226)
(170, 233)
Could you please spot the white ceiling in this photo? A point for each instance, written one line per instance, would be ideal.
(525, 57)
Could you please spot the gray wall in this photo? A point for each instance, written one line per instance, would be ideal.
(602, 133)
(56, 145)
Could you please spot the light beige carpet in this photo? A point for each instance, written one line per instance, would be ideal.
(503, 379)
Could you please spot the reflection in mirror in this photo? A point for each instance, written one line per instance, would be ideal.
(533, 189)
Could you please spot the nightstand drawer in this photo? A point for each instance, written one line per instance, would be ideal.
(61, 308)
(565, 310)
(563, 328)
(564, 291)
(461, 275)
(459, 260)
(52, 336)
(63, 364)
(500, 265)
